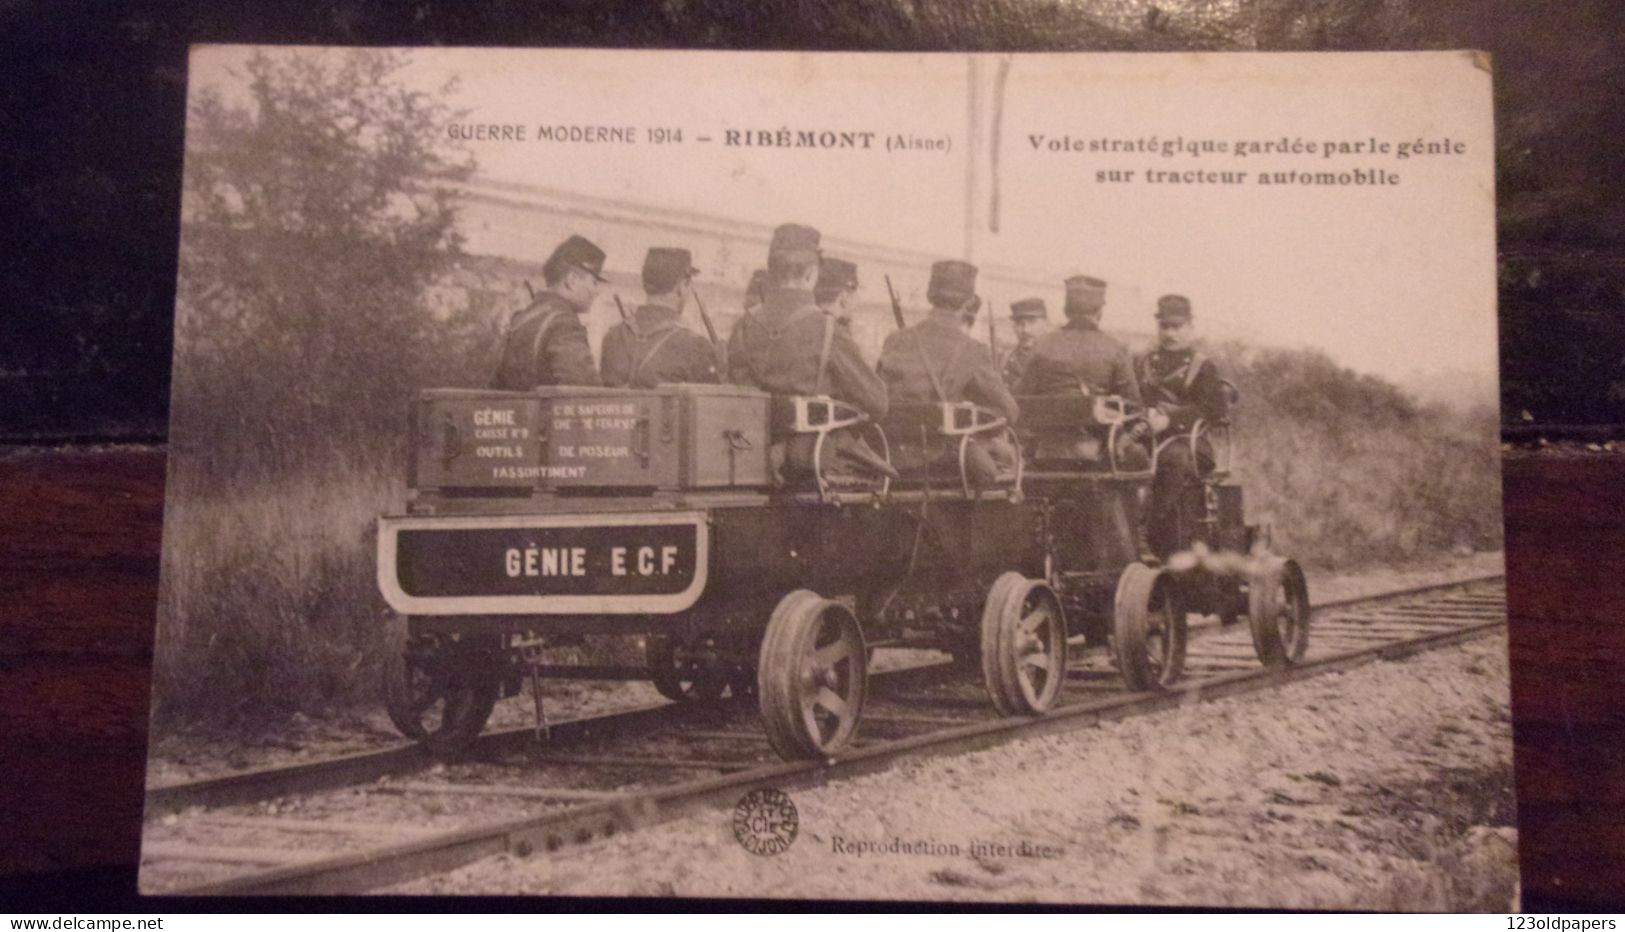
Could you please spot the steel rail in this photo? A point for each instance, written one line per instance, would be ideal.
(359, 871)
(265, 783)
(340, 771)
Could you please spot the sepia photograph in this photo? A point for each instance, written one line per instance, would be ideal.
(1004, 478)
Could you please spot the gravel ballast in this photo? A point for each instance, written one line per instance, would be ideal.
(1386, 787)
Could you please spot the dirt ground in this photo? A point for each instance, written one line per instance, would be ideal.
(1387, 787)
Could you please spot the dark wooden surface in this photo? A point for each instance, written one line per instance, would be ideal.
(79, 533)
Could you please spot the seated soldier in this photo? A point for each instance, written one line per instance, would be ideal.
(1080, 358)
(1182, 386)
(653, 347)
(546, 343)
(788, 346)
(937, 361)
(1028, 317)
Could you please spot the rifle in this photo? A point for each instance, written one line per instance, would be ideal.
(625, 317)
(529, 290)
(896, 305)
(705, 318)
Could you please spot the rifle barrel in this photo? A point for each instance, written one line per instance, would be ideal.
(896, 305)
(705, 319)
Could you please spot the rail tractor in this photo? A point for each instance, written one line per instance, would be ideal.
(674, 515)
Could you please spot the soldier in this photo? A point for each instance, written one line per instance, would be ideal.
(1182, 386)
(546, 343)
(936, 360)
(654, 347)
(1080, 357)
(1079, 354)
(790, 347)
(1027, 316)
(836, 288)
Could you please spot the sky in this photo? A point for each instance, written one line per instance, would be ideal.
(1397, 279)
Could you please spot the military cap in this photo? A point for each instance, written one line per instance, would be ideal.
(793, 242)
(579, 252)
(1085, 286)
(1028, 309)
(834, 274)
(952, 282)
(664, 267)
(1173, 307)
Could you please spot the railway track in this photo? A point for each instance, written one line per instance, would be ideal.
(368, 820)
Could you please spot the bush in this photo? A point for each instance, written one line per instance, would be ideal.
(1349, 470)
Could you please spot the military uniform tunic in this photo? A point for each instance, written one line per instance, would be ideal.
(936, 361)
(1185, 385)
(546, 345)
(656, 349)
(936, 352)
(777, 348)
(1015, 366)
(1079, 354)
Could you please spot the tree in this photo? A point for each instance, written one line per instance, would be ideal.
(316, 212)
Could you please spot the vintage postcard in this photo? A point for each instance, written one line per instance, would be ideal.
(1017, 478)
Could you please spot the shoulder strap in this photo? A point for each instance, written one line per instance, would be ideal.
(1193, 369)
(930, 373)
(547, 318)
(823, 353)
(639, 358)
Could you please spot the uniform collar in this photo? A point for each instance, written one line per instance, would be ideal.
(548, 301)
(779, 300)
(651, 317)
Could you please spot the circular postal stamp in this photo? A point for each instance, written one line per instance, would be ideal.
(765, 822)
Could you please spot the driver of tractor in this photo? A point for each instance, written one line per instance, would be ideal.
(1182, 386)
(789, 347)
(1081, 357)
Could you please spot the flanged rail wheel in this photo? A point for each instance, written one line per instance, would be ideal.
(1278, 612)
(811, 676)
(1148, 628)
(437, 698)
(1023, 645)
(676, 683)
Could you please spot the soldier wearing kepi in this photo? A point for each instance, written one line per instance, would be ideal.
(936, 360)
(1026, 317)
(788, 346)
(654, 347)
(546, 343)
(1079, 354)
(836, 289)
(1182, 386)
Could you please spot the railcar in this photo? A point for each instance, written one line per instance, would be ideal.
(676, 515)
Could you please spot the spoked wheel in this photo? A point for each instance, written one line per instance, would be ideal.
(1278, 611)
(1148, 628)
(1023, 645)
(811, 676)
(677, 683)
(438, 696)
